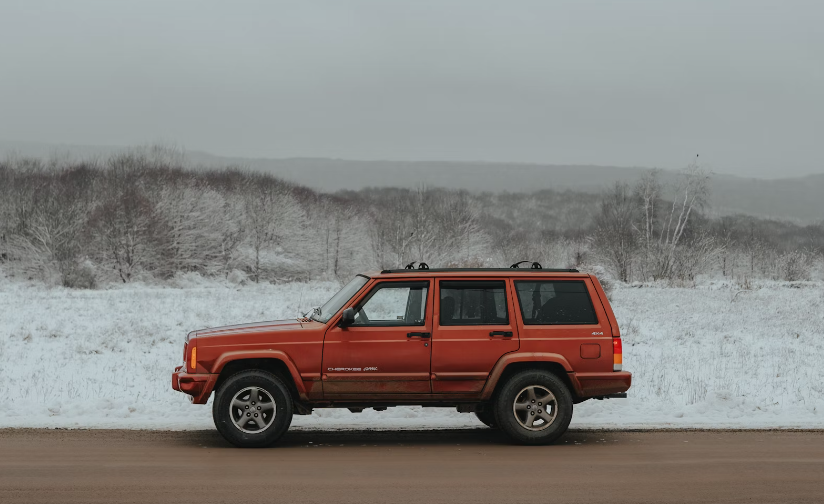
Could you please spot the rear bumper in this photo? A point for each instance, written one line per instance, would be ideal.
(198, 386)
(600, 384)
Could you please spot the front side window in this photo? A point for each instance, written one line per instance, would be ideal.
(555, 302)
(473, 303)
(393, 304)
(331, 307)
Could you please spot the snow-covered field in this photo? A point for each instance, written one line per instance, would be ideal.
(702, 357)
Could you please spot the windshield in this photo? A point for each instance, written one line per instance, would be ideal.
(331, 307)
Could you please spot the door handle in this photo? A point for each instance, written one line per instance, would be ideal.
(505, 334)
(419, 334)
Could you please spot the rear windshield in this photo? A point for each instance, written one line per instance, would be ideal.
(554, 302)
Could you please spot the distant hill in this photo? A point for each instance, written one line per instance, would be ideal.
(797, 199)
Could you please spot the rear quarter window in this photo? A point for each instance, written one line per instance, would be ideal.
(555, 302)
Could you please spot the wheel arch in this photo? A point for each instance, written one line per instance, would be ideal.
(275, 362)
(511, 364)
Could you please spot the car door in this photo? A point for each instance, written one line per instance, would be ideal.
(474, 326)
(387, 349)
(558, 315)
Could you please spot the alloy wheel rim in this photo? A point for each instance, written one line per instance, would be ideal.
(252, 410)
(535, 408)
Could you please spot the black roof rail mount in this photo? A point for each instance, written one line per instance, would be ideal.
(411, 266)
(535, 265)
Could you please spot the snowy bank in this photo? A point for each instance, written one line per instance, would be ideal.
(701, 357)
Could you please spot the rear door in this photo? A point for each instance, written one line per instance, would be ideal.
(474, 326)
(559, 316)
(387, 349)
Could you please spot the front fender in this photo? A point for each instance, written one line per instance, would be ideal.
(279, 355)
(512, 358)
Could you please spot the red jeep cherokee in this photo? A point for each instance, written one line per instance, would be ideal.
(518, 347)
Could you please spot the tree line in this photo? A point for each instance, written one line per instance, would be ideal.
(144, 215)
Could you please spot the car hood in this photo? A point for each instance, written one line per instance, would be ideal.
(255, 327)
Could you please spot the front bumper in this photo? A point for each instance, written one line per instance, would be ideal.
(198, 386)
(600, 384)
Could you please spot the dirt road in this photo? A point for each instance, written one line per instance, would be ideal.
(422, 467)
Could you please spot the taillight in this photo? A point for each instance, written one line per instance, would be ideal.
(193, 361)
(617, 354)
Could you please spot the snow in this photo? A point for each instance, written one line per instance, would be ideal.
(706, 357)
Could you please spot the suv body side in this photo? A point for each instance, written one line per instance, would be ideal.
(329, 365)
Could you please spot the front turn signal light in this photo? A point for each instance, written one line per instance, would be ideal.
(193, 363)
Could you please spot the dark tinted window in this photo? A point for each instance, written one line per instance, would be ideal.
(473, 303)
(559, 302)
(393, 304)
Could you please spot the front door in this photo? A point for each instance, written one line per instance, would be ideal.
(474, 327)
(387, 349)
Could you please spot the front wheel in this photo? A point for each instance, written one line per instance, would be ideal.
(534, 407)
(252, 409)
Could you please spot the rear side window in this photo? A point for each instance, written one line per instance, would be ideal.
(555, 302)
(473, 303)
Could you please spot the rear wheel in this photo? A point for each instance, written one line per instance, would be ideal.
(487, 417)
(252, 409)
(534, 407)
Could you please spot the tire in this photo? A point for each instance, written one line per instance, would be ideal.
(254, 392)
(522, 415)
(487, 417)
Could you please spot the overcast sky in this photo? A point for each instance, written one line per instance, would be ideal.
(565, 82)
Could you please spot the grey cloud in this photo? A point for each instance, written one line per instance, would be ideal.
(570, 82)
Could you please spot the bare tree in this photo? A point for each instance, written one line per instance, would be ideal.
(145, 213)
(662, 236)
(615, 236)
(649, 192)
(724, 230)
(233, 231)
(390, 230)
(198, 222)
(795, 265)
(521, 245)
(435, 226)
(51, 215)
(754, 247)
(8, 206)
(126, 229)
(271, 213)
(699, 254)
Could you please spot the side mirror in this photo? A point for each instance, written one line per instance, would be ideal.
(348, 317)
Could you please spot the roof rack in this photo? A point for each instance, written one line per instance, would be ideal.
(535, 265)
(459, 270)
(421, 266)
